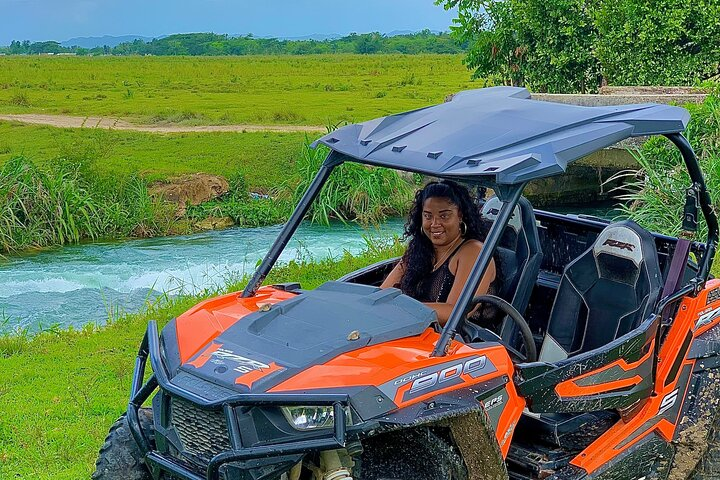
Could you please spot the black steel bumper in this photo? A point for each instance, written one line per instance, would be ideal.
(157, 462)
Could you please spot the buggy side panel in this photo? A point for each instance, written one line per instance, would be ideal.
(617, 375)
(687, 359)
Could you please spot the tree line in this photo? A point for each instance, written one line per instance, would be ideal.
(216, 44)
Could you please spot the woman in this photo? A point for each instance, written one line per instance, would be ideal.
(445, 233)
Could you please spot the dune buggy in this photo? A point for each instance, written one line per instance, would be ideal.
(604, 366)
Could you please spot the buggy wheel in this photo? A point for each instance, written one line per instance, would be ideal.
(120, 457)
(417, 454)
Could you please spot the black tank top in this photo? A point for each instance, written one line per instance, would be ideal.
(440, 283)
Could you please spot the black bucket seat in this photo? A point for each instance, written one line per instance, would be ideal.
(520, 257)
(604, 293)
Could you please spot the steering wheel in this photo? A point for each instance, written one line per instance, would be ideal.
(484, 334)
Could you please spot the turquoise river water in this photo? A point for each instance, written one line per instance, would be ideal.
(79, 284)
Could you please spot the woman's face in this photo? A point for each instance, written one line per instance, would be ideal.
(441, 220)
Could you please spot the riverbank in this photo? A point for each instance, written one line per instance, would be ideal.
(61, 390)
(79, 196)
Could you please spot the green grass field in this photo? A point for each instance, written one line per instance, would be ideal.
(304, 90)
(264, 159)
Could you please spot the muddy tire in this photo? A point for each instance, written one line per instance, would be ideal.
(418, 454)
(120, 457)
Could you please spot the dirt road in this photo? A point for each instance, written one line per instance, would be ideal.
(64, 121)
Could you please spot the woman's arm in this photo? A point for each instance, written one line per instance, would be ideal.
(462, 264)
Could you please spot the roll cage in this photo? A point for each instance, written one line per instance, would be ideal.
(515, 144)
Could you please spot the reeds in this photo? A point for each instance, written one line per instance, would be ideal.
(654, 195)
(65, 204)
(354, 191)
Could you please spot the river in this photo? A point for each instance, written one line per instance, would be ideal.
(87, 283)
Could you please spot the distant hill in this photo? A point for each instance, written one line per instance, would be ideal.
(110, 41)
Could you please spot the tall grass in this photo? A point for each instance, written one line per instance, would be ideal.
(354, 191)
(654, 194)
(66, 204)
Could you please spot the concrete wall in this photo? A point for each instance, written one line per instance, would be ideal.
(585, 181)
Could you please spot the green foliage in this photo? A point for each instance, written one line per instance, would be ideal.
(568, 46)
(354, 191)
(545, 45)
(665, 42)
(246, 210)
(655, 194)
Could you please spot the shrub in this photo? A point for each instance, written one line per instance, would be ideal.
(354, 191)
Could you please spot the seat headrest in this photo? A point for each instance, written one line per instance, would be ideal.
(619, 252)
(620, 241)
(491, 209)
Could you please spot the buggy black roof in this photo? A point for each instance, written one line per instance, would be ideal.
(498, 134)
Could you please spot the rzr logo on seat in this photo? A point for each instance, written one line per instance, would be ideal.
(447, 374)
(618, 244)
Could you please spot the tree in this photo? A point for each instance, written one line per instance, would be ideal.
(665, 42)
(570, 45)
(545, 44)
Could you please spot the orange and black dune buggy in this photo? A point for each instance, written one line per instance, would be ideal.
(605, 365)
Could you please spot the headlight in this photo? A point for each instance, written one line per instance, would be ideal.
(303, 417)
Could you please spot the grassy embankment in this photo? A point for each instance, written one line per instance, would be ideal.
(60, 392)
(62, 186)
(302, 90)
(109, 171)
(88, 192)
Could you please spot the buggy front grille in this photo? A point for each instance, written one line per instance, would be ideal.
(203, 433)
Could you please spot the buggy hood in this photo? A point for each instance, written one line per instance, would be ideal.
(260, 349)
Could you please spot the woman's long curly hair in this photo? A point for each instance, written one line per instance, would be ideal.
(418, 258)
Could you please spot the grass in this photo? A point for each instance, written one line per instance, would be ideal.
(61, 391)
(75, 197)
(354, 191)
(262, 158)
(306, 90)
(655, 193)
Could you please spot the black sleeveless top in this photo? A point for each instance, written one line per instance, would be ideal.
(440, 282)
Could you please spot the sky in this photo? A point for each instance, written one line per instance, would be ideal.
(40, 20)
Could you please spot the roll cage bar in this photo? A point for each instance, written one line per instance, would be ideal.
(509, 195)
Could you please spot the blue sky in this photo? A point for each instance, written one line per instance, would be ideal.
(38, 20)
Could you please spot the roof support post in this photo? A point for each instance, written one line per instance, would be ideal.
(478, 270)
(696, 176)
(331, 161)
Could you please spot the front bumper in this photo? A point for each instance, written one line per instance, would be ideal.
(159, 462)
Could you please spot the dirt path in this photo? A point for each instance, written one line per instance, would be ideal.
(65, 121)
